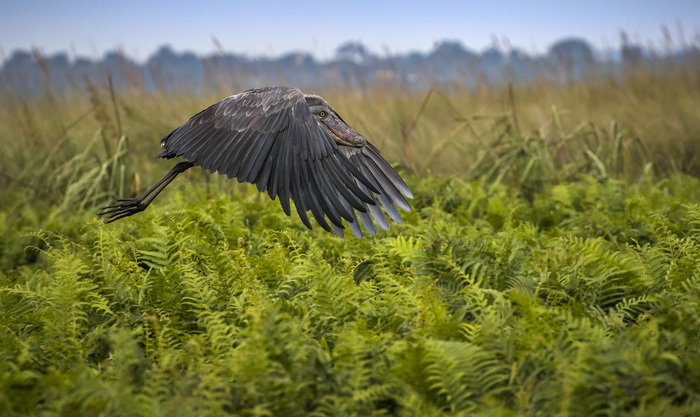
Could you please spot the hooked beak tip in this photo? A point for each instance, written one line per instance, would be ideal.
(342, 133)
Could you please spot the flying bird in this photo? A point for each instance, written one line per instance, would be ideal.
(292, 145)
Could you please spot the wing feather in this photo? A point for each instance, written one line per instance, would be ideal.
(311, 199)
(343, 209)
(373, 153)
(263, 179)
(323, 194)
(297, 193)
(285, 172)
(376, 211)
(387, 185)
(367, 222)
(338, 231)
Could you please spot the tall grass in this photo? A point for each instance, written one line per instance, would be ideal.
(76, 150)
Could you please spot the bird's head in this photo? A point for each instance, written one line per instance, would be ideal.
(334, 124)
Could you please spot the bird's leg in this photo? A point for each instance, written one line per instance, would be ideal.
(128, 206)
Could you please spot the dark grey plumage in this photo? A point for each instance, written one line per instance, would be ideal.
(293, 146)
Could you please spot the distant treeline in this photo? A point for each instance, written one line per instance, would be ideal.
(448, 64)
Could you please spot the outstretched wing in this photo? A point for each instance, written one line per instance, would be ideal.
(270, 138)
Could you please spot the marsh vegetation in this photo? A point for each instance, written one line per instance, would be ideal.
(550, 264)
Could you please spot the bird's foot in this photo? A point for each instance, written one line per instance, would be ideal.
(125, 207)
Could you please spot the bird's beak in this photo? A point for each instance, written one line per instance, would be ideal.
(342, 133)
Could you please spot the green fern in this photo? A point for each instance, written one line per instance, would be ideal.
(484, 303)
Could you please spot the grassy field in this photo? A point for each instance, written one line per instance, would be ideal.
(550, 264)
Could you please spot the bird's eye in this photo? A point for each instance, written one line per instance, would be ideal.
(322, 113)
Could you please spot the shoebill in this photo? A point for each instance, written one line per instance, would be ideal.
(293, 146)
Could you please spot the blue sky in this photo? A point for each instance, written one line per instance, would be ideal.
(271, 28)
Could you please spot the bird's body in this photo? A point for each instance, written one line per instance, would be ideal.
(292, 146)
